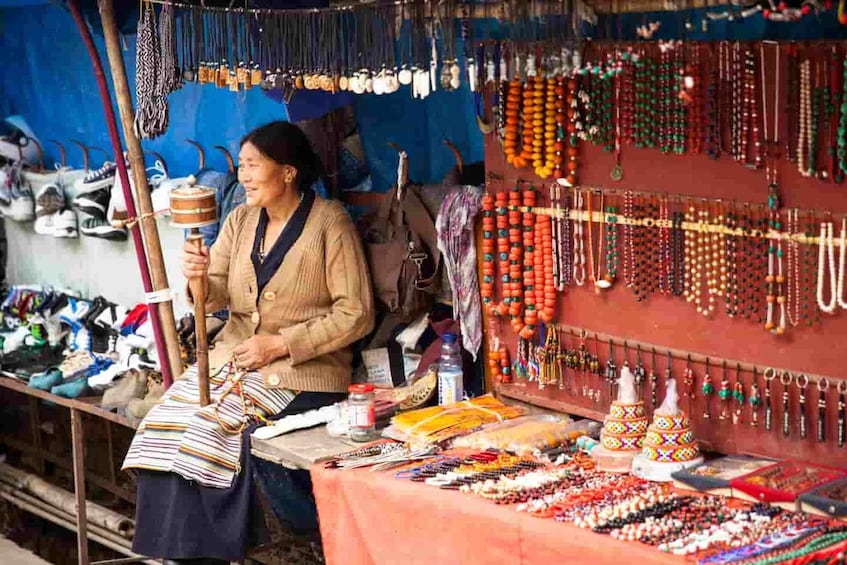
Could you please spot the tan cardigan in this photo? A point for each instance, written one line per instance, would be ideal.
(319, 300)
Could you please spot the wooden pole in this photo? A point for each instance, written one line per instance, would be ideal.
(117, 148)
(198, 292)
(147, 222)
(78, 449)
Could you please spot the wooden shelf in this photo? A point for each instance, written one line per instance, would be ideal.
(85, 404)
(546, 399)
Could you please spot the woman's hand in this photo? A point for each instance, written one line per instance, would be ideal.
(259, 350)
(195, 262)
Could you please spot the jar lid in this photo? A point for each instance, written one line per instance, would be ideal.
(361, 388)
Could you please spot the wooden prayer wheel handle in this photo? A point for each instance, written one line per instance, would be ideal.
(198, 291)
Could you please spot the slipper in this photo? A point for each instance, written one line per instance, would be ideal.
(73, 389)
(47, 379)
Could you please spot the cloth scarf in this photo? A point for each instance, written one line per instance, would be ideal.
(455, 226)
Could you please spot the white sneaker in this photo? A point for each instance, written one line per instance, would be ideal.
(64, 224)
(15, 340)
(45, 225)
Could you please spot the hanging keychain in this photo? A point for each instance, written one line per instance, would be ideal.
(612, 370)
(708, 389)
(823, 387)
(770, 375)
(755, 399)
(653, 378)
(785, 379)
(596, 370)
(738, 395)
(640, 373)
(724, 393)
(802, 383)
(842, 388)
(688, 383)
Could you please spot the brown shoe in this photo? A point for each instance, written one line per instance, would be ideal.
(133, 384)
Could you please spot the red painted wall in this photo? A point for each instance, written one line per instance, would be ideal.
(671, 322)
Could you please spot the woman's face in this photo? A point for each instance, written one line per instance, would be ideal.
(265, 181)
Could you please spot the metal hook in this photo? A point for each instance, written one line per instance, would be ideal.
(783, 376)
(823, 383)
(770, 374)
(85, 151)
(201, 154)
(63, 154)
(228, 156)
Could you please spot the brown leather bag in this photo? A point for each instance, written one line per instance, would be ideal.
(401, 245)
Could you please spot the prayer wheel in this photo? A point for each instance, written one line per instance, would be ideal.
(193, 207)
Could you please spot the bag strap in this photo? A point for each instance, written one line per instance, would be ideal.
(421, 223)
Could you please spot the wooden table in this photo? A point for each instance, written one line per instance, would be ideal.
(76, 407)
(302, 448)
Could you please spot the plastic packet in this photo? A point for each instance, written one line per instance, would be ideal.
(523, 435)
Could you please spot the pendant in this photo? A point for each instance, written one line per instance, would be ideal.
(770, 375)
(785, 379)
(326, 83)
(343, 83)
(405, 76)
(256, 76)
(802, 383)
(603, 284)
(617, 173)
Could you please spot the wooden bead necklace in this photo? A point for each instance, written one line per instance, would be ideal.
(793, 295)
(516, 249)
(738, 103)
(488, 253)
(526, 329)
(512, 137)
(579, 263)
(611, 224)
(695, 104)
(629, 269)
(560, 131)
(690, 237)
(712, 116)
(678, 273)
(730, 270)
(574, 129)
(665, 269)
(811, 314)
(826, 258)
(535, 118)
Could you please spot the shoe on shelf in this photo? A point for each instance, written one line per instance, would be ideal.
(49, 199)
(46, 380)
(64, 225)
(45, 225)
(71, 389)
(94, 203)
(21, 207)
(15, 340)
(133, 384)
(96, 227)
(102, 177)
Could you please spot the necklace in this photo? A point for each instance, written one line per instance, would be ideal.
(826, 254)
(794, 293)
(805, 119)
(261, 254)
(842, 259)
(729, 272)
(578, 240)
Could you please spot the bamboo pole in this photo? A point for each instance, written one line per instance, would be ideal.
(117, 148)
(147, 221)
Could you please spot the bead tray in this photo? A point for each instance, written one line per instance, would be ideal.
(715, 475)
(783, 482)
(828, 500)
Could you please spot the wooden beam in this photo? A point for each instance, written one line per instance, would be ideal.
(147, 221)
(78, 443)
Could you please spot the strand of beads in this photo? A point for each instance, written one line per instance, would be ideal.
(805, 115)
(651, 248)
(639, 238)
(626, 103)
(537, 117)
(794, 293)
(817, 103)
(711, 261)
(645, 101)
(545, 296)
(678, 275)
(574, 127)
(579, 260)
(712, 118)
(565, 253)
(527, 115)
(628, 243)
(826, 256)
(489, 274)
(611, 244)
(512, 137)
(550, 111)
(731, 270)
(755, 138)
(689, 258)
(811, 314)
(694, 84)
(665, 96)
(841, 150)
(559, 116)
(679, 110)
(516, 251)
(527, 329)
(665, 267)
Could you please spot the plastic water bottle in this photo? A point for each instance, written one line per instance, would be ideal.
(450, 382)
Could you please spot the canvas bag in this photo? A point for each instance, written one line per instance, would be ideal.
(401, 245)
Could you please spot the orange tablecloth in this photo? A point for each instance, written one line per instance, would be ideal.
(375, 518)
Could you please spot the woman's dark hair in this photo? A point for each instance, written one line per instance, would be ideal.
(286, 144)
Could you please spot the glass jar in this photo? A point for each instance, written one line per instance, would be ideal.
(360, 406)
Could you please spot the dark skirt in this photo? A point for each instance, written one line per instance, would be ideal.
(180, 519)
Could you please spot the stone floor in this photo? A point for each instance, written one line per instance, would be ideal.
(11, 553)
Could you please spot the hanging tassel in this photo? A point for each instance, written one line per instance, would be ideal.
(147, 66)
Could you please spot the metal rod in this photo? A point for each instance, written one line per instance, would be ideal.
(700, 359)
